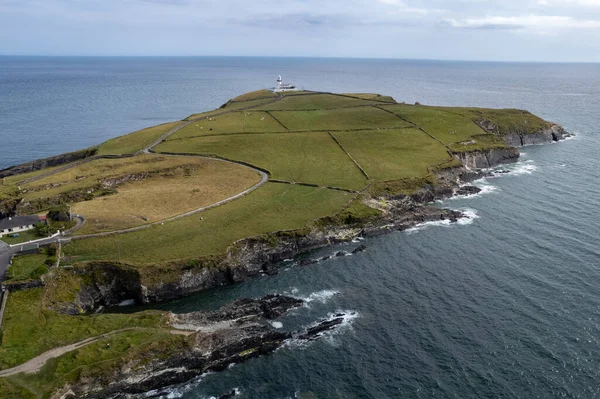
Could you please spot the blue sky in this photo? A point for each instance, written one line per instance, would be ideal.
(509, 30)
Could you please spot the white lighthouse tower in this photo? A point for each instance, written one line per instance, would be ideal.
(283, 86)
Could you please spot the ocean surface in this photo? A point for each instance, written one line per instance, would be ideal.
(505, 304)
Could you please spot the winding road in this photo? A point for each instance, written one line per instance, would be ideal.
(6, 252)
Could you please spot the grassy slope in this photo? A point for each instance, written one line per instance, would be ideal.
(254, 95)
(97, 358)
(393, 154)
(506, 120)
(202, 183)
(235, 122)
(301, 157)
(133, 142)
(338, 119)
(89, 174)
(372, 96)
(29, 330)
(271, 208)
(315, 101)
(445, 126)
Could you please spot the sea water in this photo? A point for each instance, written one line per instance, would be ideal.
(505, 304)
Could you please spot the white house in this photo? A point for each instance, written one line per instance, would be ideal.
(17, 224)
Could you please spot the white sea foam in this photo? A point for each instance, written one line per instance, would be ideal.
(276, 324)
(524, 169)
(483, 185)
(469, 216)
(320, 296)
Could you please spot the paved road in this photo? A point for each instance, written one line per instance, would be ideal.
(5, 255)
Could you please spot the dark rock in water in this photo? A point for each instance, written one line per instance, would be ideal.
(316, 331)
(340, 253)
(501, 171)
(360, 248)
(468, 190)
(242, 310)
(307, 261)
(228, 395)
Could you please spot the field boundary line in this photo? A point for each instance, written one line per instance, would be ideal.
(349, 156)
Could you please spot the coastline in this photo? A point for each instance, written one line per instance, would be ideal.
(112, 283)
(102, 284)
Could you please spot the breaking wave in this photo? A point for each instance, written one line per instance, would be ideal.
(469, 216)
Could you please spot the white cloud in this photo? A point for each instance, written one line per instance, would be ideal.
(592, 3)
(535, 22)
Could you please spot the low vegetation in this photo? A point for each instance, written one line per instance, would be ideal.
(272, 207)
(28, 267)
(503, 121)
(30, 329)
(136, 141)
(393, 154)
(20, 237)
(314, 101)
(339, 119)
(197, 183)
(235, 122)
(98, 358)
(312, 158)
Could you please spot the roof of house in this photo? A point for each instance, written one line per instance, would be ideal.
(18, 221)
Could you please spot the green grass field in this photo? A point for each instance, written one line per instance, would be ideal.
(315, 101)
(506, 120)
(24, 236)
(255, 95)
(26, 267)
(393, 154)
(133, 142)
(200, 182)
(234, 122)
(299, 157)
(272, 207)
(372, 96)
(339, 119)
(89, 174)
(445, 126)
(29, 329)
(98, 358)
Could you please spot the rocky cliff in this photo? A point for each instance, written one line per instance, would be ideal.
(48, 162)
(211, 341)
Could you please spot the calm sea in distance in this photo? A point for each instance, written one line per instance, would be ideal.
(505, 304)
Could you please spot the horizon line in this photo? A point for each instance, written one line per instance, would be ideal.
(298, 57)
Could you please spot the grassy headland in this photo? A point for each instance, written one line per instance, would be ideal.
(324, 152)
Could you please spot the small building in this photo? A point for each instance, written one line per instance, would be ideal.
(17, 224)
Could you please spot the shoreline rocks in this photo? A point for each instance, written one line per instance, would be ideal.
(233, 334)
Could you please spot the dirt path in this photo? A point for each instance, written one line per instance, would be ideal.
(34, 365)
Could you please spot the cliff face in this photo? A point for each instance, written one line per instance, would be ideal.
(488, 158)
(549, 135)
(47, 162)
